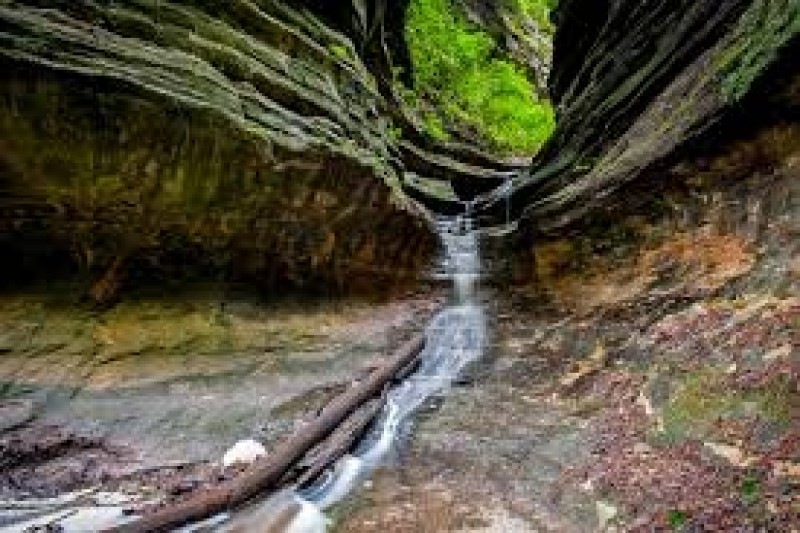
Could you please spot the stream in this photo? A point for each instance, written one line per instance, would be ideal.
(455, 337)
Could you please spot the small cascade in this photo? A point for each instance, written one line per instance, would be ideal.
(461, 260)
(455, 337)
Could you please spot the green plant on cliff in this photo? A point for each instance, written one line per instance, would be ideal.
(459, 71)
(765, 27)
(538, 10)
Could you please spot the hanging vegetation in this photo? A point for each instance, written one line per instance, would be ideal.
(463, 82)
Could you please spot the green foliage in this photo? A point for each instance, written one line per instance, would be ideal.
(538, 10)
(340, 52)
(458, 71)
(395, 133)
(704, 400)
(751, 489)
(435, 127)
(765, 28)
(677, 519)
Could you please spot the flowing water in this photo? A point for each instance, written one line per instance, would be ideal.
(455, 338)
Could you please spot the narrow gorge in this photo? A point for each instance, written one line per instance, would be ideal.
(221, 218)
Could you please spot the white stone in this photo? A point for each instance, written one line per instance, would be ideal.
(732, 454)
(784, 352)
(642, 448)
(645, 402)
(606, 512)
(244, 451)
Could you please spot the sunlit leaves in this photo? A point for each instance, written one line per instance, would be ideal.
(459, 69)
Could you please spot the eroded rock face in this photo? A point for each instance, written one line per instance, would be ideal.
(263, 141)
(256, 141)
(633, 82)
(247, 139)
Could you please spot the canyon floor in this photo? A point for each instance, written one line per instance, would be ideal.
(665, 413)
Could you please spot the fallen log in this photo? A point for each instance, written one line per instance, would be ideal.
(407, 370)
(265, 473)
(341, 441)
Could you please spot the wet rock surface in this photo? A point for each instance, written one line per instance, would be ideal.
(653, 388)
(498, 466)
(648, 380)
(659, 435)
(643, 374)
(151, 395)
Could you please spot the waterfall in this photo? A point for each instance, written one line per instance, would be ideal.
(455, 337)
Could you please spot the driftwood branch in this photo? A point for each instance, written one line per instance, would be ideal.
(266, 473)
(341, 441)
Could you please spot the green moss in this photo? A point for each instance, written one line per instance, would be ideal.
(538, 10)
(459, 70)
(764, 29)
(435, 127)
(340, 52)
(704, 399)
(751, 489)
(677, 519)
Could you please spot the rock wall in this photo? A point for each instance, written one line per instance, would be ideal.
(264, 141)
(718, 217)
(259, 141)
(234, 139)
(633, 83)
(526, 39)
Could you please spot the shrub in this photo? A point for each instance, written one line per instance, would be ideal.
(458, 70)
